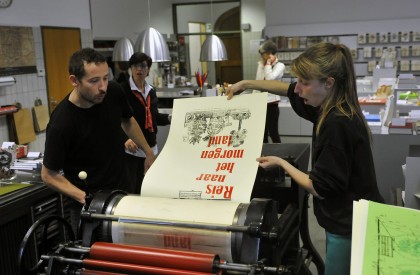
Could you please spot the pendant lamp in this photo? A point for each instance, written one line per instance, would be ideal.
(213, 48)
(152, 43)
(123, 50)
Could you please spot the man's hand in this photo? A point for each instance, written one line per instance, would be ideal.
(150, 158)
(131, 146)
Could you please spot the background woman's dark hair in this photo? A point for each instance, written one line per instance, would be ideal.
(79, 58)
(139, 57)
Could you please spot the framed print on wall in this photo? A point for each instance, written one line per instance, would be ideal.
(372, 37)
(394, 37)
(405, 51)
(378, 52)
(361, 38)
(383, 37)
(416, 36)
(405, 37)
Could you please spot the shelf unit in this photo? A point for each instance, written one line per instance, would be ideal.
(405, 44)
(366, 49)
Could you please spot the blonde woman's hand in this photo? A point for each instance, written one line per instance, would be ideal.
(269, 161)
(233, 89)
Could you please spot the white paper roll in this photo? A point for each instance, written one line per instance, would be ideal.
(176, 210)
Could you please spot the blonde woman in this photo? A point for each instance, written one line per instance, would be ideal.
(342, 161)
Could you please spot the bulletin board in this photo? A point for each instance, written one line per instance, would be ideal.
(17, 51)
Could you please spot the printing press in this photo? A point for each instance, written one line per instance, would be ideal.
(130, 234)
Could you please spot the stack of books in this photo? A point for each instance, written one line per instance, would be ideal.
(407, 81)
(417, 127)
(374, 122)
(398, 127)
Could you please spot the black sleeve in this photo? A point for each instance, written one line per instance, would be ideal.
(305, 111)
(55, 149)
(162, 119)
(334, 156)
(124, 85)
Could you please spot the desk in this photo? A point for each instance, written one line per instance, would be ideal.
(290, 124)
(166, 97)
(389, 154)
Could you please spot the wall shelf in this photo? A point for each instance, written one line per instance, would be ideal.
(366, 54)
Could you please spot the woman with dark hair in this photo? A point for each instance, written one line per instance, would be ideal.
(342, 163)
(142, 98)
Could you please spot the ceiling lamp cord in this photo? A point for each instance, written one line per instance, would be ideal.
(213, 48)
(152, 43)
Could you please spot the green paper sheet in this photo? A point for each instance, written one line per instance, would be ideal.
(5, 189)
(386, 239)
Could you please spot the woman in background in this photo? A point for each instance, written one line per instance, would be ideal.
(142, 98)
(269, 68)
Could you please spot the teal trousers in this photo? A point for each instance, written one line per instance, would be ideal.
(338, 256)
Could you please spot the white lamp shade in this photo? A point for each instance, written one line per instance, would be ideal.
(152, 43)
(213, 49)
(123, 50)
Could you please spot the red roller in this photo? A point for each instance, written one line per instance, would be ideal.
(96, 272)
(150, 256)
(136, 269)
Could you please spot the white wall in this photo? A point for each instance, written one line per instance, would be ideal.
(253, 13)
(127, 18)
(322, 11)
(33, 13)
(36, 13)
(326, 17)
(201, 14)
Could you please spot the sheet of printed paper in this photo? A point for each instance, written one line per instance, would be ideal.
(211, 149)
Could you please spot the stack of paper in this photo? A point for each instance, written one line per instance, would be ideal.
(385, 239)
(28, 165)
(406, 129)
(417, 127)
(374, 122)
(407, 81)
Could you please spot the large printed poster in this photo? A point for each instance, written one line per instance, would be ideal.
(211, 149)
